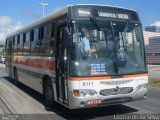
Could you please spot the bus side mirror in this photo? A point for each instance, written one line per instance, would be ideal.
(67, 39)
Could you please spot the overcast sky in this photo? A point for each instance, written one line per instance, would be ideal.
(15, 14)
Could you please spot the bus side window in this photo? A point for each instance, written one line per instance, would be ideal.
(42, 40)
(15, 45)
(20, 44)
(26, 43)
(45, 43)
(35, 45)
(51, 38)
(6, 45)
(32, 35)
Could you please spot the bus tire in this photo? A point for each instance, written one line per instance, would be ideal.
(15, 77)
(49, 93)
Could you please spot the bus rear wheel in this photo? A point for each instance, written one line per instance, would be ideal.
(49, 93)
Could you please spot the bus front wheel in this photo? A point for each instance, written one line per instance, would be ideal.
(49, 93)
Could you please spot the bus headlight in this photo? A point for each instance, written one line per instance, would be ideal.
(87, 93)
(84, 93)
(143, 86)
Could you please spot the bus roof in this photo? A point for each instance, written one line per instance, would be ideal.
(101, 5)
(48, 17)
(56, 14)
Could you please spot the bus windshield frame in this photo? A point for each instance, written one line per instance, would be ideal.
(116, 48)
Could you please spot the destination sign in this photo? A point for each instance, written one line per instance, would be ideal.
(113, 15)
(83, 12)
(104, 12)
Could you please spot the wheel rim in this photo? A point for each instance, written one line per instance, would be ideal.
(49, 93)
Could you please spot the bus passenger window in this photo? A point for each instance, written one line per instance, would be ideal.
(52, 30)
(32, 35)
(44, 49)
(15, 45)
(51, 39)
(35, 44)
(20, 44)
(26, 40)
(24, 37)
(41, 33)
(6, 42)
(7, 45)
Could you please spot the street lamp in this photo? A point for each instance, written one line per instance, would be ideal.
(43, 5)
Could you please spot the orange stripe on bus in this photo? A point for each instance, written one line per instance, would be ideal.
(88, 78)
(105, 78)
(136, 75)
(38, 63)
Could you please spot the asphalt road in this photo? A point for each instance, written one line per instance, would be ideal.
(25, 104)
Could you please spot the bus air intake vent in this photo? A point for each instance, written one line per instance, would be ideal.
(117, 100)
(115, 82)
(113, 91)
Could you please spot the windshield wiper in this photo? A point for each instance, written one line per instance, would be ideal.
(124, 32)
(126, 26)
(94, 22)
(115, 59)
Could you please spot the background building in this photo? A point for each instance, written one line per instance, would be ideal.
(153, 50)
(148, 35)
(152, 29)
(152, 42)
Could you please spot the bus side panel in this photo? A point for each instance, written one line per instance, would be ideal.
(32, 69)
(25, 79)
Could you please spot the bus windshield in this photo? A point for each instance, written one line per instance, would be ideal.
(107, 48)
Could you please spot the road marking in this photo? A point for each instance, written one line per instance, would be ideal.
(4, 108)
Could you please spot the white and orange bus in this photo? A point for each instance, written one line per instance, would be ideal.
(54, 57)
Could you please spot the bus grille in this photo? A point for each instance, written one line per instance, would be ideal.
(117, 100)
(120, 82)
(113, 91)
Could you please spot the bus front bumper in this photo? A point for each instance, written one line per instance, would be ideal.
(100, 100)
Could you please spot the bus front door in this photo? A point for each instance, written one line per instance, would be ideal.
(61, 67)
(10, 58)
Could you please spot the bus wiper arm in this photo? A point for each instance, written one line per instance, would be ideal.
(124, 32)
(94, 22)
(126, 26)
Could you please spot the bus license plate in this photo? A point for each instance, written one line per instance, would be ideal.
(94, 102)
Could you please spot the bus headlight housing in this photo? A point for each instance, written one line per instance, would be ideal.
(142, 86)
(84, 93)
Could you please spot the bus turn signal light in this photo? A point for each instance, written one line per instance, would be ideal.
(76, 92)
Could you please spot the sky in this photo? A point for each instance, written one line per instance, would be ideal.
(15, 14)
